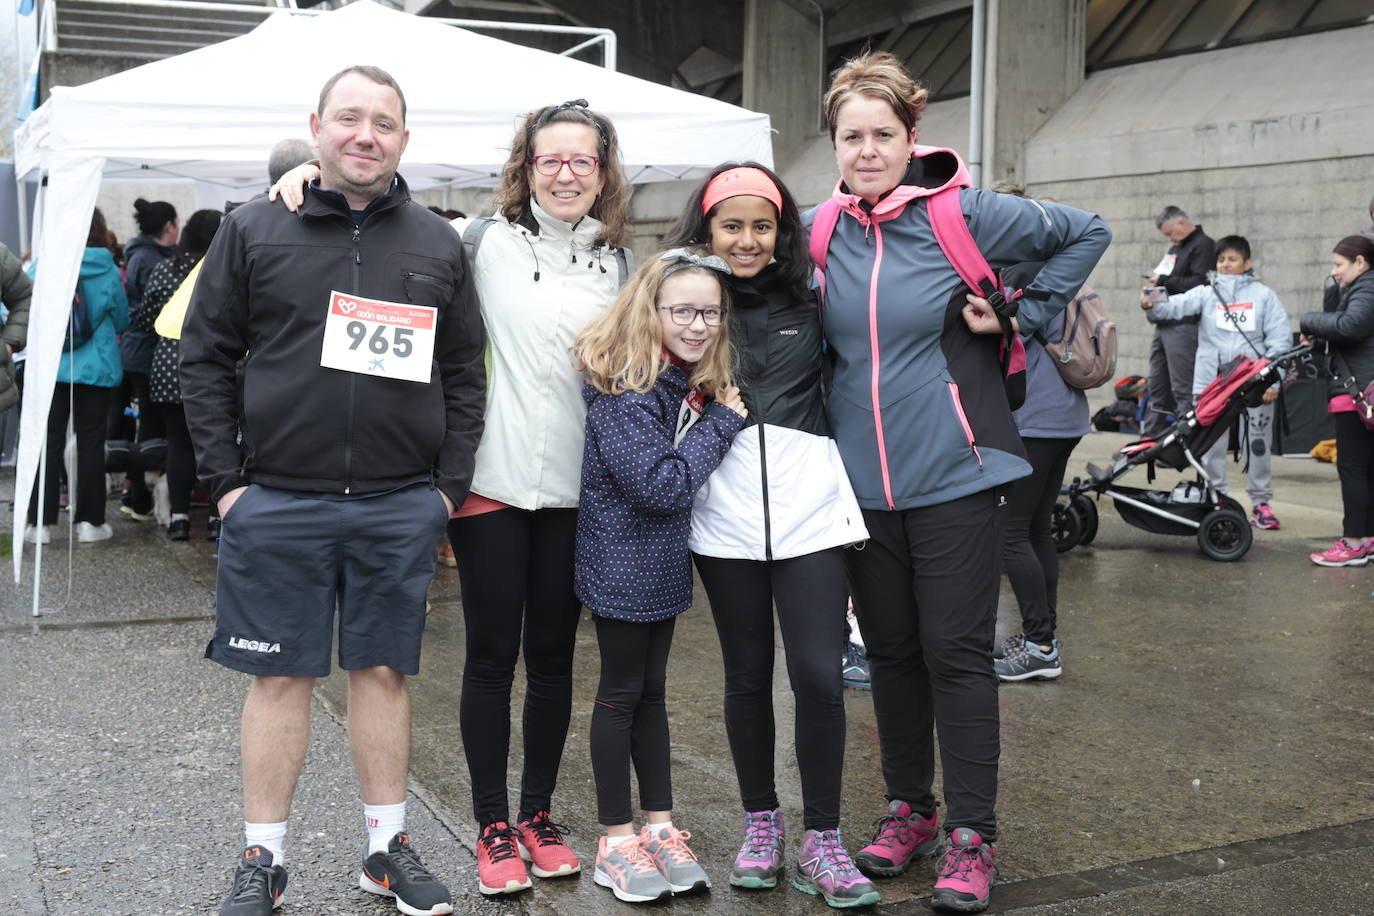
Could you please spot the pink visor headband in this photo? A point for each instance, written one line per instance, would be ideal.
(740, 182)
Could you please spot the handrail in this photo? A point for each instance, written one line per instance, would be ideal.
(605, 37)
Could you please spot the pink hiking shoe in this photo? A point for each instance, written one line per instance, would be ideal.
(1343, 553)
(899, 836)
(1261, 516)
(969, 866)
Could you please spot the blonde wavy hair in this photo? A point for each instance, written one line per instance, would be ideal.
(612, 206)
(878, 75)
(622, 349)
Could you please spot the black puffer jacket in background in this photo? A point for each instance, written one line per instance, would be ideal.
(1347, 324)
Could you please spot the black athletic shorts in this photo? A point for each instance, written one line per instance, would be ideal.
(290, 561)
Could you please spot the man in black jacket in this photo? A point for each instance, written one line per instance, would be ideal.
(336, 454)
(1172, 350)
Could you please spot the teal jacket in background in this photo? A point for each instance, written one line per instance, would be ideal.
(97, 362)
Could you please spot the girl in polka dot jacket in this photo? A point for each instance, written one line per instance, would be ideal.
(661, 413)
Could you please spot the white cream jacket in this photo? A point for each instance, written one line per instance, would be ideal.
(530, 455)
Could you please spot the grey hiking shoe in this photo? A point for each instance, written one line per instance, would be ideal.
(667, 846)
(1008, 644)
(1025, 661)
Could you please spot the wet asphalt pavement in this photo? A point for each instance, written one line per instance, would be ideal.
(1208, 749)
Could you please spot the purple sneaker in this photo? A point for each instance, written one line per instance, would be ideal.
(899, 836)
(760, 856)
(967, 871)
(825, 869)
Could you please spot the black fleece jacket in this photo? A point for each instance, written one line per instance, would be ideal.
(284, 420)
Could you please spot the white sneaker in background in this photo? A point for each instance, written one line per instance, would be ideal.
(89, 533)
(38, 534)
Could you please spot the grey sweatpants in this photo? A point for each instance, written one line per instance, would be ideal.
(1259, 477)
(1172, 351)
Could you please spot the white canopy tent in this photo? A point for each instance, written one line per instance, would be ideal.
(211, 115)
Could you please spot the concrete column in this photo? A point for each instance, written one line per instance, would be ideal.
(1036, 61)
(781, 71)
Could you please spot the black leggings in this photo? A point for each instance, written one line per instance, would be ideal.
(630, 718)
(516, 572)
(1029, 557)
(181, 459)
(1355, 467)
(925, 591)
(811, 596)
(86, 406)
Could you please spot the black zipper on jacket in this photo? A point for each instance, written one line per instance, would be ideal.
(352, 377)
(767, 511)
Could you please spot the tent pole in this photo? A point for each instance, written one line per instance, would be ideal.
(38, 547)
(22, 205)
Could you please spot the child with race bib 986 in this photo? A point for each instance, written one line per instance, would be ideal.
(661, 413)
(1240, 317)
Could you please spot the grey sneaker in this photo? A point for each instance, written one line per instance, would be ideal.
(1025, 661)
(1006, 645)
(629, 872)
(667, 846)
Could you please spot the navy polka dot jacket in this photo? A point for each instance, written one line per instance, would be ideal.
(635, 511)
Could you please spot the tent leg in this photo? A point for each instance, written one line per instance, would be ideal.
(38, 548)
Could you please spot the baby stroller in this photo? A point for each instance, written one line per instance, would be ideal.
(1219, 522)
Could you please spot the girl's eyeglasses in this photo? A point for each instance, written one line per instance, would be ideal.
(581, 166)
(685, 314)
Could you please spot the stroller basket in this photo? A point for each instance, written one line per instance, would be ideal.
(1146, 520)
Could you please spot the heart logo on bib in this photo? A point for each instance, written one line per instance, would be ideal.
(348, 308)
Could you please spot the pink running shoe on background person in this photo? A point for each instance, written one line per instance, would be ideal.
(899, 836)
(964, 882)
(1262, 516)
(760, 855)
(1343, 553)
(499, 867)
(540, 842)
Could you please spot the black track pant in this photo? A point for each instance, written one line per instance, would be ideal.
(516, 572)
(135, 386)
(811, 596)
(181, 459)
(630, 718)
(1355, 467)
(925, 590)
(86, 406)
(1029, 557)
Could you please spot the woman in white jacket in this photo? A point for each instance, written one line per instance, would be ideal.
(546, 263)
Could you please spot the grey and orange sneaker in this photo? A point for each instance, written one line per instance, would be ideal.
(825, 869)
(399, 873)
(760, 855)
(899, 836)
(628, 871)
(964, 881)
(667, 846)
(258, 885)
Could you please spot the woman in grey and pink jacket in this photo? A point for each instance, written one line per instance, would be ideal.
(923, 425)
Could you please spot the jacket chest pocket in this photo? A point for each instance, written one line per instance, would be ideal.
(425, 288)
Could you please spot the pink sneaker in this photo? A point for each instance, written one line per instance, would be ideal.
(1343, 553)
(898, 837)
(969, 867)
(1261, 516)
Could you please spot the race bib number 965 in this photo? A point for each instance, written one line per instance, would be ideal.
(372, 337)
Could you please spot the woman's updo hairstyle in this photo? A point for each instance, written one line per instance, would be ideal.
(151, 217)
(878, 75)
(1355, 246)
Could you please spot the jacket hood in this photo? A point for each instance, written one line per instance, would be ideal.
(146, 241)
(1231, 284)
(753, 292)
(931, 169)
(97, 261)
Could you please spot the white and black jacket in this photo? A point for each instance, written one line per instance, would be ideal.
(781, 491)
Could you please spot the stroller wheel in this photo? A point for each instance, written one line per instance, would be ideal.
(1224, 535)
(1066, 527)
(1087, 511)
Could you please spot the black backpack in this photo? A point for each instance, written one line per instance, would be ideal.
(80, 328)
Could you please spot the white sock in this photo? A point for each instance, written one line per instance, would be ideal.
(656, 828)
(614, 841)
(383, 823)
(856, 637)
(269, 836)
